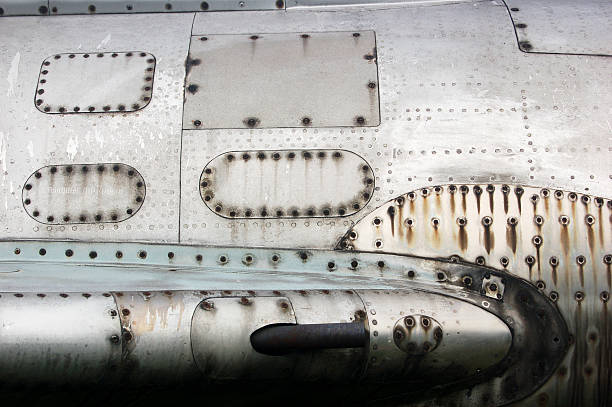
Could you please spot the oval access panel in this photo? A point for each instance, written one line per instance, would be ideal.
(286, 184)
(83, 193)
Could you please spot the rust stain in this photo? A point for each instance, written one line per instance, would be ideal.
(505, 203)
(391, 212)
(601, 226)
(452, 203)
(491, 200)
(530, 268)
(463, 203)
(511, 238)
(554, 274)
(463, 238)
(538, 260)
(478, 202)
(581, 275)
(564, 240)
(436, 238)
(591, 241)
(489, 239)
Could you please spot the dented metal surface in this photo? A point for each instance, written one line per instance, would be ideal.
(301, 79)
(287, 184)
(68, 83)
(563, 26)
(84, 193)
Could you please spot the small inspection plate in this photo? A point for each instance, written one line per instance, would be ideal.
(95, 83)
(287, 184)
(323, 79)
(83, 193)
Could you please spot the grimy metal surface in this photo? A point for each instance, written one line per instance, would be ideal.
(460, 103)
(61, 7)
(563, 26)
(287, 184)
(68, 83)
(301, 79)
(84, 193)
(165, 335)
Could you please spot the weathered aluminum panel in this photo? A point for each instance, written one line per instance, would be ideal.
(23, 7)
(158, 330)
(547, 234)
(301, 79)
(446, 358)
(330, 4)
(155, 335)
(563, 26)
(148, 140)
(83, 193)
(140, 266)
(59, 7)
(55, 337)
(560, 241)
(488, 111)
(286, 184)
(330, 306)
(70, 83)
(220, 337)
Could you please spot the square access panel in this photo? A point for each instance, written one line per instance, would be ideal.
(323, 79)
(98, 82)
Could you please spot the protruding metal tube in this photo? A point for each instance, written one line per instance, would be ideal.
(283, 339)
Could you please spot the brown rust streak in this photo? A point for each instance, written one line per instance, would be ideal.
(511, 237)
(505, 202)
(601, 226)
(463, 238)
(489, 239)
(605, 357)
(565, 246)
(391, 212)
(491, 200)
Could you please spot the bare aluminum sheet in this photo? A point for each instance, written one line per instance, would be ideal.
(71, 83)
(489, 113)
(148, 139)
(83, 193)
(303, 79)
(559, 240)
(23, 7)
(59, 7)
(48, 327)
(563, 26)
(210, 327)
(287, 184)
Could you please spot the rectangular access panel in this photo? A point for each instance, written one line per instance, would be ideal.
(323, 79)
